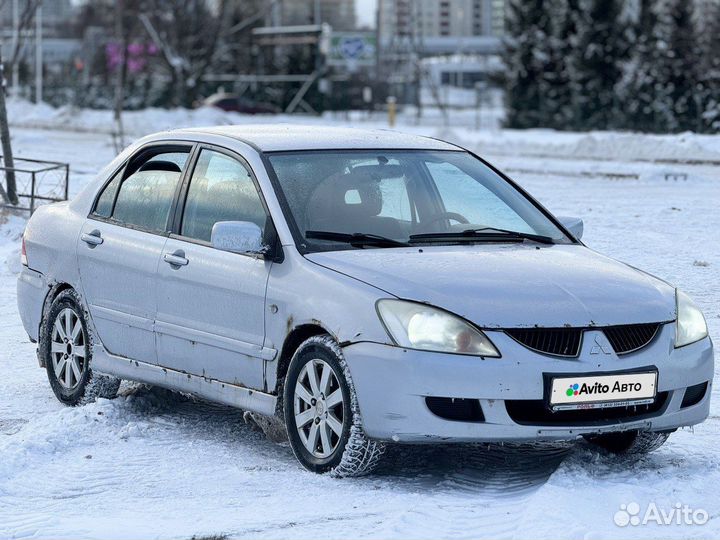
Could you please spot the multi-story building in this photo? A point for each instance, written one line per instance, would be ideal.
(432, 43)
(423, 20)
(339, 14)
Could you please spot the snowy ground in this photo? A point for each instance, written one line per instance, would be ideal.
(155, 464)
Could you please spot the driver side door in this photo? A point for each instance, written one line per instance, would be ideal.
(211, 303)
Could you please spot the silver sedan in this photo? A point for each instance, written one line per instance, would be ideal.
(352, 289)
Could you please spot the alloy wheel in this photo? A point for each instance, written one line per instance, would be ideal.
(68, 350)
(318, 408)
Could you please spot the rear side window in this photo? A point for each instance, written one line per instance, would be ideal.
(145, 197)
(221, 189)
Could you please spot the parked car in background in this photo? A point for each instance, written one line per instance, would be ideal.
(234, 103)
(361, 288)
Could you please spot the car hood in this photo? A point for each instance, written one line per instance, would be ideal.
(513, 286)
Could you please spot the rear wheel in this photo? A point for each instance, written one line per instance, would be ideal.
(630, 442)
(321, 412)
(66, 348)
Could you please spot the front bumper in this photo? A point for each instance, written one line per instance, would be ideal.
(392, 385)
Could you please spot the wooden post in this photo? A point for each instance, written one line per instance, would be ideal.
(12, 197)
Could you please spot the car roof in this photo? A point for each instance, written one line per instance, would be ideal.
(288, 137)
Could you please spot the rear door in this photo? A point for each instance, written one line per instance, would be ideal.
(120, 246)
(211, 303)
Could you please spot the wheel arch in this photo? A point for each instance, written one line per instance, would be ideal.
(292, 342)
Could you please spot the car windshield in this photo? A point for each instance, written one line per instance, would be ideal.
(350, 199)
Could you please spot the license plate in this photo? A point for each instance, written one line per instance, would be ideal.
(602, 391)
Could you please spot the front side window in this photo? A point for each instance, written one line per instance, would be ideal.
(145, 196)
(407, 196)
(221, 189)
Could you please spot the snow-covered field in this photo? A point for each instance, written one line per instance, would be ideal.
(151, 464)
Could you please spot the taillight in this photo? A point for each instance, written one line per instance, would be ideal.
(23, 253)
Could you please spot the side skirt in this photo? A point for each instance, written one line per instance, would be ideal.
(210, 389)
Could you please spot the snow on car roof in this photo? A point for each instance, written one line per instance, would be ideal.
(279, 137)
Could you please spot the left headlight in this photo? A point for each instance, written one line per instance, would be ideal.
(418, 326)
(691, 325)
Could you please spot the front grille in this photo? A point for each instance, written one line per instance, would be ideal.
(536, 413)
(555, 341)
(567, 341)
(630, 337)
(694, 395)
(457, 409)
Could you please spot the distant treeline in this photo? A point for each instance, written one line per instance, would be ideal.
(643, 65)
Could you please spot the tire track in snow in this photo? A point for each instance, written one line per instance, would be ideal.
(481, 486)
(463, 490)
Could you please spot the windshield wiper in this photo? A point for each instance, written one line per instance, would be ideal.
(356, 239)
(484, 233)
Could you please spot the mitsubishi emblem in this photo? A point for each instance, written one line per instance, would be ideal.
(601, 346)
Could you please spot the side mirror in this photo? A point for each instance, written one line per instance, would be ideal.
(573, 224)
(238, 237)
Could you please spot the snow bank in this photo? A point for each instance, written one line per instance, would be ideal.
(11, 229)
(610, 145)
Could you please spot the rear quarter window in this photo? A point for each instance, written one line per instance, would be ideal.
(104, 205)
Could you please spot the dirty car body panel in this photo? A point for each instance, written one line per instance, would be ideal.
(170, 309)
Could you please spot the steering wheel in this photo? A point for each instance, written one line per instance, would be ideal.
(449, 215)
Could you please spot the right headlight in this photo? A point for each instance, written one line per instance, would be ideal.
(691, 325)
(419, 326)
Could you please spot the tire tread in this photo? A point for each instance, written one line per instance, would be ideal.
(361, 454)
(96, 385)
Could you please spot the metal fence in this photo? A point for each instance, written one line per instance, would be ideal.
(38, 182)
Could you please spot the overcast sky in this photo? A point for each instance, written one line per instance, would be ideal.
(366, 12)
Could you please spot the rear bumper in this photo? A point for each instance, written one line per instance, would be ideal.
(392, 385)
(32, 288)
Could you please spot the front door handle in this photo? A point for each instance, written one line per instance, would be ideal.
(176, 259)
(92, 238)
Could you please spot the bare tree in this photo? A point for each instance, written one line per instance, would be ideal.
(11, 194)
(122, 39)
(188, 33)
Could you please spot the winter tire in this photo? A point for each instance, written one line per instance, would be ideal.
(630, 442)
(322, 415)
(66, 348)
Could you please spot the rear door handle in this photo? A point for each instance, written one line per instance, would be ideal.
(92, 238)
(176, 259)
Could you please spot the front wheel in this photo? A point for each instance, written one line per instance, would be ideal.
(321, 412)
(66, 348)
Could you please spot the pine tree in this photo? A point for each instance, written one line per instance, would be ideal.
(708, 22)
(600, 50)
(526, 58)
(638, 89)
(556, 85)
(677, 71)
